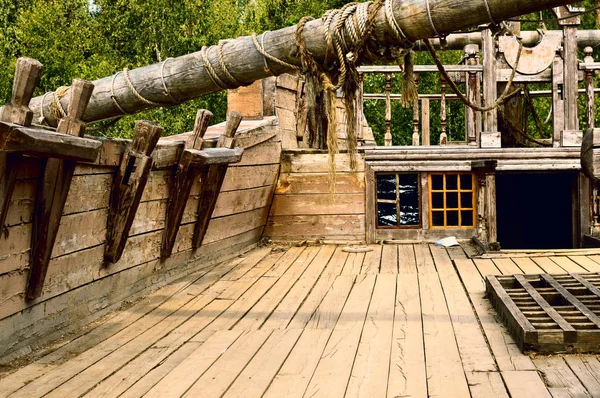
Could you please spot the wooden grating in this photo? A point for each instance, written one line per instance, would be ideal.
(549, 313)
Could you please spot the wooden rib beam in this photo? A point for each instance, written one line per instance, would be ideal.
(53, 189)
(17, 113)
(185, 177)
(128, 187)
(214, 181)
(572, 299)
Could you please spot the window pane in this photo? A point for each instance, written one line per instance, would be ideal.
(437, 182)
(452, 218)
(451, 182)
(386, 215)
(467, 218)
(437, 200)
(466, 182)
(386, 186)
(437, 218)
(451, 200)
(409, 199)
(466, 200)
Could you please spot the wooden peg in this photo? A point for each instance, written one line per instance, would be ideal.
(53, 189)
(196, 140)
(128, 187)
(213, 182)
(185, 177)
(27, 76)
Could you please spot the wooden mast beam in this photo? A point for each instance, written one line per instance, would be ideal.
(185, 80)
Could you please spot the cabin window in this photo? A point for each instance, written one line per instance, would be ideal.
(452, 200)
(398, 200)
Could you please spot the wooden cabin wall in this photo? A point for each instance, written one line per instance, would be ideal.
(303, 207)
(79, 287)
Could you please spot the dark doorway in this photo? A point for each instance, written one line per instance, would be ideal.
(535, 211)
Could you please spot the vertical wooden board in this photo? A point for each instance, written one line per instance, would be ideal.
(559, 377)
(258, 374)
(372, 260)
(328, 312)
(333, 372)
(505, 351)
(587, 369)
(568, 265)
(474, 351)
(445, 374)
(549, 266)
(292, 379)
(486, 385)
(353, 264)
(408, 375)
(158, 373)
(217, 379)
(371, 367)
(389, 260)
(507, 266)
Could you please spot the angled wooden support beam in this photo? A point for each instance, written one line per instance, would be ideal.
(185, 177)
(17, 113)
(128, 187)
(213, 182)
(53, 189)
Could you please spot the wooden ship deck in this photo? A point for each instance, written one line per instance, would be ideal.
(316, 321)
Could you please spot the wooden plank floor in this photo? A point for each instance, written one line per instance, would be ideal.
(398, 321)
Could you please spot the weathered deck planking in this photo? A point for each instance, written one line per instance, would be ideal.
(312, 321)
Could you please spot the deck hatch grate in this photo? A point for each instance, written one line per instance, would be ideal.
(549, 313)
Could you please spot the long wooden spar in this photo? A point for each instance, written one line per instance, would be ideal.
(186, 78)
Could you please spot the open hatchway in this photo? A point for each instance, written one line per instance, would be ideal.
(536, 210)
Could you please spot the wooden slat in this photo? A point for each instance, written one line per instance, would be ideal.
(445, 376)
(528, 266)
(372, 260)
(507, 266)
(328, 312)
(505, 351)
(217, 379)
(572, 299)
(333, 371)
(407, 375)
(256, 377)
(371, 367)
(569, 334)
(314, 204)
(292, 379)
(587, 369)
(389, 260)
(586, 263)
(353, 264)
(474, 352)
(568, 265)
(549, 266)
(525, 384)
(559, 378)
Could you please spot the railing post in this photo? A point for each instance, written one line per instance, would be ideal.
(589, 86)
(473, 94)
(415, 138)
(490, 137)
(425, 122)
(388, 109)
(360, 107)
(443, 135)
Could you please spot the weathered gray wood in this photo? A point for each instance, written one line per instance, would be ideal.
(186, 80)
(425, 122)
(590, 153)
(490, 137)
(214, 181)
(27, 76)
(184, 179)
(52, 191)
(128, 188)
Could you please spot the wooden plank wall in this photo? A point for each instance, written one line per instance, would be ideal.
(303, 207)
(79, 287)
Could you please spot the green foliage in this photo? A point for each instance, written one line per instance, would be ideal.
(92, 39)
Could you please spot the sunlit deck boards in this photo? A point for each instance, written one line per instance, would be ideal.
(398, 321)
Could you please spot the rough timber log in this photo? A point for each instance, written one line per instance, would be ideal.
(186, 78)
